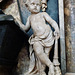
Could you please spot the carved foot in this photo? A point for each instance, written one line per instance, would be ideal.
(51, 70)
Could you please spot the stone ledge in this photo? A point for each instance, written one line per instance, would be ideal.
(70, 74)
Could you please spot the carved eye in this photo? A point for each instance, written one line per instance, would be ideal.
(38, 4)
(33, 3)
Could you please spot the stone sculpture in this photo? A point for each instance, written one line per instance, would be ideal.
(41, 41)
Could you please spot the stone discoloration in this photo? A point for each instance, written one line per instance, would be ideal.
(23, 61)
(70, 34)
(13, 10)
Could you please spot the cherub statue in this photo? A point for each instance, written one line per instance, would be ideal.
(42, 39)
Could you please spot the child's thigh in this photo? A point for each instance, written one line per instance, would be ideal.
(38, 48)
(48, 49)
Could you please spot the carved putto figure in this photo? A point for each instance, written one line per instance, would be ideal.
(42, 39)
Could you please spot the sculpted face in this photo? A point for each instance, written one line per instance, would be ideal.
(34, 6)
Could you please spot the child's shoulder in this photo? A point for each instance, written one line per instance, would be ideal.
(29, 17)
(43, 13)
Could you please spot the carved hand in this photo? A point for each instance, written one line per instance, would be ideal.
(56, 34)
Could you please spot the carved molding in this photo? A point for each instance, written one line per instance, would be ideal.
(62, 36)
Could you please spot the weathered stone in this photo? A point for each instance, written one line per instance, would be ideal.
(70, 74)
(70, 34)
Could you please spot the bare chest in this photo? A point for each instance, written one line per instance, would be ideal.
(38, 24)
(37, 19)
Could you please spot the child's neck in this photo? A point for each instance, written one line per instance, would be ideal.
(34, 13)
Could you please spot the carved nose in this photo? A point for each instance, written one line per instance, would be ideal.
(35, 5)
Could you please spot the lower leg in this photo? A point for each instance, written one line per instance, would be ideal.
(39, 52)
(44, 59)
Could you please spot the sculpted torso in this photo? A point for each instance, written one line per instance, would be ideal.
(38, 24)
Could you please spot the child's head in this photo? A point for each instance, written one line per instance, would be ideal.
(33, 5)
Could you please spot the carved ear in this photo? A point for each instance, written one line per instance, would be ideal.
(26, 5)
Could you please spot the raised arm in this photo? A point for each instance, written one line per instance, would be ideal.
(22, 26)
(51, 22)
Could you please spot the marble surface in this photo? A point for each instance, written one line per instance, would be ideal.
(70, 34)
(13, 10)
(70, 74)
(53, 12)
